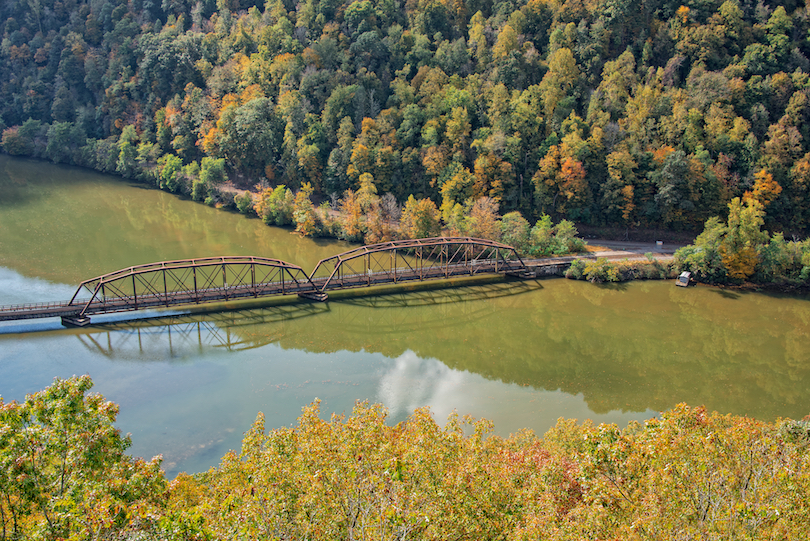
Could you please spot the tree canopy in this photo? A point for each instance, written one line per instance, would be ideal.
(603, 112)
(689, 473)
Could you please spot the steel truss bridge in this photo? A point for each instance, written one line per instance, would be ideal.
(218, 279)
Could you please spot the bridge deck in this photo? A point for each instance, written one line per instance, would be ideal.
(32, 311)
(128, 304)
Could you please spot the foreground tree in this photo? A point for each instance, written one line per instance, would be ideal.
(64, 473)
(689, 473)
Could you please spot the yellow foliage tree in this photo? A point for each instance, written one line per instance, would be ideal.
(744, 237)
(307, 221)
(765, 189)
(351, 216)
(420, 219)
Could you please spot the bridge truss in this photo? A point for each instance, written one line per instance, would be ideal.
(189, 281)
(217, 279)
(417, 259)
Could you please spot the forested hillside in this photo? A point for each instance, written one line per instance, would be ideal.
(598, 111)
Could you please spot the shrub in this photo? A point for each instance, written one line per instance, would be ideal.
(601, 270)
(200, 190)
(576, 269)
(244, 203)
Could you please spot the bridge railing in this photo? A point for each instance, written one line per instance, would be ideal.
(32, 306)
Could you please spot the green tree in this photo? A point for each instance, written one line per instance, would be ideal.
(212, 171)
(676, 195)
(244, 203)
(703, 258)
(420, 219)
(200, 190)
(64, 473)
(275, 206)
(249, 136)
(170, 167)
(515, 231)
(126, 165)
(64, 141)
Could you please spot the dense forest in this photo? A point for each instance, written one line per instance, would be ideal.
(603, 112)
(689, 474)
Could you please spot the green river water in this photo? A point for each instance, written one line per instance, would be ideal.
(522, 354)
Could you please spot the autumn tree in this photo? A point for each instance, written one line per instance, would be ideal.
(493, 177)
(64, 473)
(560, 182)
(351, 213)
(618, 191)
(559, 81)
(305, 217)
(740, 247)
(731, 250)
(456, 190)
(764, 191)
(323, 93)
(420, 219)
(381, 219)
(483, 220)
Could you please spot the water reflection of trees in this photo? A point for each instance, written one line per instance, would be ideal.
(647, 347)
(456, 307)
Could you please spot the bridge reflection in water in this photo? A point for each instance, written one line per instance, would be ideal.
(184, 336)
(218, 279)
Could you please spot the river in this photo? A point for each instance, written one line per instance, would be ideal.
(519, 353)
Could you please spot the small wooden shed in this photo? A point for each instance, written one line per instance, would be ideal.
(684, 279)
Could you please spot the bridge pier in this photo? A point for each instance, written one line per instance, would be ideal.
(75, 321)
